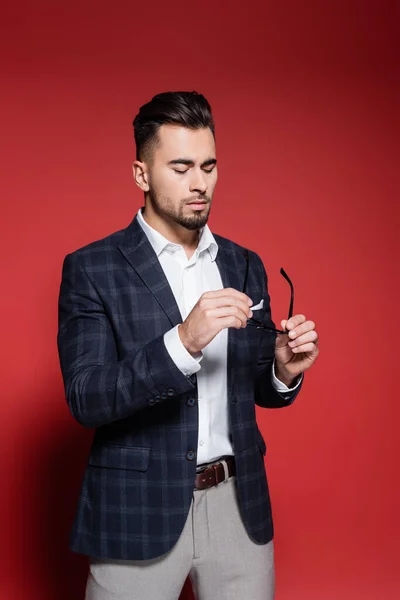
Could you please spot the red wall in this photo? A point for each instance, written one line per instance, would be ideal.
(304, 101)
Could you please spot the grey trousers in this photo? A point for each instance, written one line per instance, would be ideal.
(214, 549)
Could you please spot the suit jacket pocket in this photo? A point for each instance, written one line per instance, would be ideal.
(258, 315)
(120, 457)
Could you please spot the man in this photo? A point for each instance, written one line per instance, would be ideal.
(157, 356)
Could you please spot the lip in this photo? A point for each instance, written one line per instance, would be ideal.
(197, 204)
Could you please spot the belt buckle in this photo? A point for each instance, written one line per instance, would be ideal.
(215, 469)
(207, 474)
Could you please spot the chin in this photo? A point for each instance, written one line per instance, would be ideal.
(193, 224)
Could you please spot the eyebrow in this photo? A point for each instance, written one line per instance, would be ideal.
(190, 163)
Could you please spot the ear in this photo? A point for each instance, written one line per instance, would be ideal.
(140, 175)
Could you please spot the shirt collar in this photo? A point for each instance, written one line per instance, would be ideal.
(160, 243)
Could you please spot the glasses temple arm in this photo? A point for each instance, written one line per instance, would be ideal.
(286, 276)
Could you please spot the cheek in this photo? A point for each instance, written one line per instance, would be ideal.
(168, 186)
(212, 183)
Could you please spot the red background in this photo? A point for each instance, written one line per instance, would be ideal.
(304, 98)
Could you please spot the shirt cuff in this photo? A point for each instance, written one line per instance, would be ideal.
(186, 362)
(279, 385)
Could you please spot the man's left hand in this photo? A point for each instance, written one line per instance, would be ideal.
(295, 352)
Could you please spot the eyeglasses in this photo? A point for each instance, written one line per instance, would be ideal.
(260, 324)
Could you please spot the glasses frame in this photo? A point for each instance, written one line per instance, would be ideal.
(259, 324)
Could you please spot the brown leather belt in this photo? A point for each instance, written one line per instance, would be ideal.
(214, 474)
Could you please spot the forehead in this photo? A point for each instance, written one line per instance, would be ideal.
(177, 141)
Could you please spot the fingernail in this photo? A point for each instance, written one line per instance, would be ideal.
(292, 334)
(250, 313)
(249, 301)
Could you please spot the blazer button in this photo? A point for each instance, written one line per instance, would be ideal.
(170, 392)
(191, 401)
(191, 455)
(151, 401)
(163, 395)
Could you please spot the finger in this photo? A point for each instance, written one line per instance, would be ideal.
(228, 311)
(281, 341)
(225, 301)
(295, 321)
(301, 329)
(310, 336)
(283, 324)
(310, 348)
(230, 293)
(225, 322)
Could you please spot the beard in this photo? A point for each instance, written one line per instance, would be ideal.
(165, 206)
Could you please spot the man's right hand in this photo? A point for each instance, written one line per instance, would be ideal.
(213, 312)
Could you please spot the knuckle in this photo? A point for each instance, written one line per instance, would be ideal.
(203, 303)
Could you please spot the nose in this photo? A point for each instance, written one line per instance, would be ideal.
(198, 182)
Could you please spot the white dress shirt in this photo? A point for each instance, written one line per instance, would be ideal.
(189, 278)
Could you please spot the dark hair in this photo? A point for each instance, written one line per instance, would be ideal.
(189, 109)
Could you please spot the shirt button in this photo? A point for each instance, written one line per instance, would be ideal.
(191, 455)
(201, 442)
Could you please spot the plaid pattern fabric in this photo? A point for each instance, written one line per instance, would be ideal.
(115, 305)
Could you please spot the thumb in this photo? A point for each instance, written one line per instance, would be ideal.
(281, 340)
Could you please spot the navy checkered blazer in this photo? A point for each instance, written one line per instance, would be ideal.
(115, 305)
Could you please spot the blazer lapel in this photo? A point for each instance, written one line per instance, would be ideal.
(232, 266)
(141, 256)
(231, 263)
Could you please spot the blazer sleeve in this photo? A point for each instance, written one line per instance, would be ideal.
(266, 395)
(99, 387)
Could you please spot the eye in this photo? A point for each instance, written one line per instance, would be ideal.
(183, 172)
